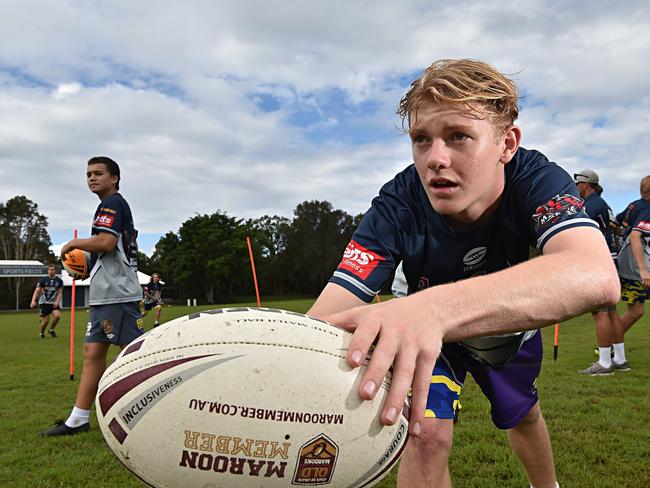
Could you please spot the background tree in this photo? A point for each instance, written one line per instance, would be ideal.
(23, 236)
(269, 242)
(208, 257)
(315, 243)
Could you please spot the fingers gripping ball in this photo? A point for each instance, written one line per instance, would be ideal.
(77, 264)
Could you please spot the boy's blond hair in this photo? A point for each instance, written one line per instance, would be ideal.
(476, 84)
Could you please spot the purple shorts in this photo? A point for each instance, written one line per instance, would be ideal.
(512, 391)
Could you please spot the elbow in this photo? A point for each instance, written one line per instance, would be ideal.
(612, 292)
(608, 287)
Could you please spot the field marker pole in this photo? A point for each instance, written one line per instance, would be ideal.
(250, 253)
(72, 307)
(556, 342)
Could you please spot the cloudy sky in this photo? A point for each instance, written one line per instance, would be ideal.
(252, 107)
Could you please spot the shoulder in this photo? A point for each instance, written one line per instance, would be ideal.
(116, 202)
(532, 164)
(401, 205)
(532, 178)
(643, 215)
(404, 184)
(403, 193)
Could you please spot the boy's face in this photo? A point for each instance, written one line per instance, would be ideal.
(460, 159)
(99, 180)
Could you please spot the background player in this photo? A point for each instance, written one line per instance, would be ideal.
(634, 256)
(47, 294)
(461, 219)
(114, 288)
(153, 297)
(609, 331)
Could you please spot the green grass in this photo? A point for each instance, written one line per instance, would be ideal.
(599, 426)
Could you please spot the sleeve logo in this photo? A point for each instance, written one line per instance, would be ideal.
(104, 220)
(556, 208)
(643, 225)
(359, 260)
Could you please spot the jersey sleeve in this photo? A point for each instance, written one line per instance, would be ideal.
(641, 222)
(374, 250)
(553, 204)
(110, 216)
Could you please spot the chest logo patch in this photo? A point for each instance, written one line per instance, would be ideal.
(475, 256)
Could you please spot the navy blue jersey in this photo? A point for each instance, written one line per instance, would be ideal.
(539, 200)
(598, 210)
(153, 292)
(49, 287)
(635, 217)
(112, 277)
(113, 215)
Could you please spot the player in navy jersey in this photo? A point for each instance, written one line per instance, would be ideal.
(634, 256)
(153, 297)
(114, 288)
(461, 220)
(47, 296)
(609, 330)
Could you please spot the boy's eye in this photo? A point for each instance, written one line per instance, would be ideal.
(418, 139)
(458, 136)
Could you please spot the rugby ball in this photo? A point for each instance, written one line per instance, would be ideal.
(77, 264)
(245, 397)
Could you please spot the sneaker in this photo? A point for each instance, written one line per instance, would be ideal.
(156, 324)
(597, 370)
(41, 335)
(52, 333)
(624, 366)
(61, 429)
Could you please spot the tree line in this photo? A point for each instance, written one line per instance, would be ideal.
(208, 257)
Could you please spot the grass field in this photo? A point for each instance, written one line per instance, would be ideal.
(599, 425)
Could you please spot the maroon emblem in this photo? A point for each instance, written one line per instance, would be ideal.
(316, 462)
(557, 207)
(107, 326)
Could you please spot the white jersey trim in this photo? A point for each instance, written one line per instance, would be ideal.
(355, 283)
(561, 225)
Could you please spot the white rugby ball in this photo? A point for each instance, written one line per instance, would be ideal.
(245, 397)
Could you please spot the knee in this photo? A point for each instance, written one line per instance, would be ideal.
(92, 354)
(531, 418)
(435, 439)
(635, 311)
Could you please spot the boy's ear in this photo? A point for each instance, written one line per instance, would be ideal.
(511, 140)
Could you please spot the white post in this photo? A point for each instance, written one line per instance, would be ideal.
(188, 302)
(195, 302)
